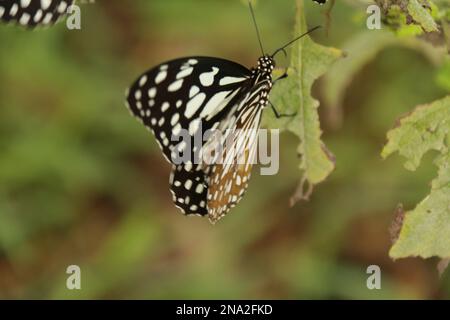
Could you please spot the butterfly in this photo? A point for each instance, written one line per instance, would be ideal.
(321, 2)
(194, 95)
(32, 13)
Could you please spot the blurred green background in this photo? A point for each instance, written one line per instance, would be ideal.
(82, 182)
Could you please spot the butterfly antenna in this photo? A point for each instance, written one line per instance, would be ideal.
(256, 27)
(296, 39)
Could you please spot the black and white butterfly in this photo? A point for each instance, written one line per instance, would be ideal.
(197, 94)
(32, 13)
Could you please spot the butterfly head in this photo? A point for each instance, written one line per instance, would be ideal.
(266, 64)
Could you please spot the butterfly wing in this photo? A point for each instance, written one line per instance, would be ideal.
(189, 190)
(228, 180)
(186, 96)
(219, 186)
(32, 13)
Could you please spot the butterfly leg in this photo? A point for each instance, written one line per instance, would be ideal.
(281, 115)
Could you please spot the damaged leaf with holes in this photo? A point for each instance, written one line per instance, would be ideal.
(413, 17)
(425, 231)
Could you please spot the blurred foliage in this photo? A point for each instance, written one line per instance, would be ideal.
(82, 183)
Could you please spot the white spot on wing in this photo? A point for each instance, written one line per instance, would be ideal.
(24, 19)
(25, 3)
(143, 80)
(184, 73)
(38, 15)
(188, 165)
(175, 85)
(194, 104)
(152, 92)
(138, 95)
(188, 184)
(176, 130)
(14, 9)
(230, 80)
(194, 125)
(199, 188)
(215, 104)
(62, 7)
(175, 118)
(48, 18)
(165, 106)
(161, 76)
(194, 90)
(45, 4)
(207, 78)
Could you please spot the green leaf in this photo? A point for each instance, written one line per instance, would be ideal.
(409, 30)
(413, 17)
(426, 229)
(422, 16)
(425, 129)
(293, 95)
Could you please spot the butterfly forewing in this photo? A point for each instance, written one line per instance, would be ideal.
(186, 96)
(33, 13)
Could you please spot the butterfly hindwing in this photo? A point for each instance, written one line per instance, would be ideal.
(228, 180)
(32, 13)
(189, 190)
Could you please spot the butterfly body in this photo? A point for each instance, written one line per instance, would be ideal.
(196, 95)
